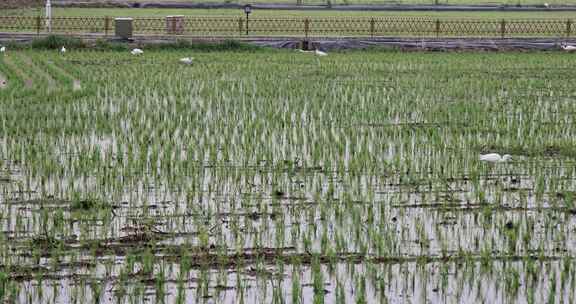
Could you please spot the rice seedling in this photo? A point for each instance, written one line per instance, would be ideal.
(261, 176)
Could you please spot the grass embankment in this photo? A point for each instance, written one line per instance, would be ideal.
(29, 3)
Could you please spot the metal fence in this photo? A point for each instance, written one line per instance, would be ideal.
(230, 26)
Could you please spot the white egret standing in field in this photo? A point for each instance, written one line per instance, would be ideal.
(318, 52)
(495, 158)
(568, 48)
(187, 60)
(63, 50)
(137, 52)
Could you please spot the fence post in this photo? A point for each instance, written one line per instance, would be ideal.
(38, 24)
(568, 28)
(240, 27)
(503, 28)
(247, 24)
(306, 27)
(437, 28)
(106, 26)
(173, 26)
(372, 27)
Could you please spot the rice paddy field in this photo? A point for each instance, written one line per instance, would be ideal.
(272, 176)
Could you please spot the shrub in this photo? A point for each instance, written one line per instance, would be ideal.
(56, 42)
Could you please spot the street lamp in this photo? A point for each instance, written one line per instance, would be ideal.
(49, 16)
(247, 11)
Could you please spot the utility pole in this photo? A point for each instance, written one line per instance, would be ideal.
(49, 16)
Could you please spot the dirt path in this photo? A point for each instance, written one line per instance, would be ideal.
(335, 43)
(419, 44)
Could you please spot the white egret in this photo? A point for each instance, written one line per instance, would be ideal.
(316, 52)
(137, 52)
(63, 50)
(568, 48)
(495, 157)
(187, 60)
(320, 53)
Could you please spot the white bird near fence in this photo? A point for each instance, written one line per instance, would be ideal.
(137, 52)
(318, 52)
(495, 158)
(63, 50)
(568, 48)
(187, 60)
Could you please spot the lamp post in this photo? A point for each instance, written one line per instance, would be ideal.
(247, 11)
(49, 16)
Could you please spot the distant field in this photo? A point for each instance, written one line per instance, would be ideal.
(29, 3)
(452, 2)
(116, 12)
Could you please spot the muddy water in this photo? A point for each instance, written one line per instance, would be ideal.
(436, 246)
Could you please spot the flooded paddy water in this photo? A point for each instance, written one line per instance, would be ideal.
(278, 177)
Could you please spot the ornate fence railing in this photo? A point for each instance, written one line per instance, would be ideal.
(230, 26)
